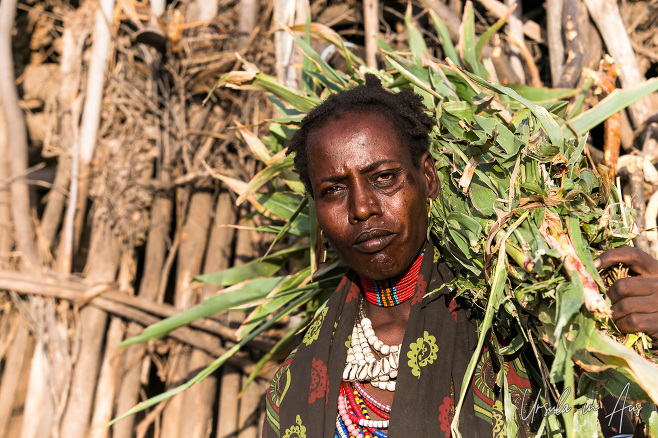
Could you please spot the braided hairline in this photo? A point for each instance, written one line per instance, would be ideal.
(405, 109)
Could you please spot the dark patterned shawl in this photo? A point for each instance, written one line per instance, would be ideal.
(437, 347)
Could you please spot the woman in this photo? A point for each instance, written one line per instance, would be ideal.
(382, 353)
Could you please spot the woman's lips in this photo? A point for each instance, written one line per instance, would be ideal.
(373, 241)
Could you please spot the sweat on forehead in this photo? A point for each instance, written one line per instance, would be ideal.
(405, 110)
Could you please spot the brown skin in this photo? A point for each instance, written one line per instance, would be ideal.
(371, 203)
(370, 200)
(634, 299)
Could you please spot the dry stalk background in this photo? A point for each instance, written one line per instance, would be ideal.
(108, 210)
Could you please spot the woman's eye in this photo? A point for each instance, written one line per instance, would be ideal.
(330, 190)
(385, 177)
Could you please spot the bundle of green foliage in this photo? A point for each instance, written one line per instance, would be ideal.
(520, 218)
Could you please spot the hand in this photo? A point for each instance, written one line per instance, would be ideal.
(634, 299)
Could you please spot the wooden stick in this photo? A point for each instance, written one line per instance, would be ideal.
(229, 389)
(554, 37)
(102, 265)
(531, 29)
(515, 29)
(607, 17)
(107, 382)
(371, 24)
(573, 41)
(6, 238)
(248, 414)
(198, 422)
(156, 252)
(10, 376)
(113, 301)
(247, 21)
(190, 258)
(17, 140)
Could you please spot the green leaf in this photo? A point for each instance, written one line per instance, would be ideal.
(536, 94)
(484, 199)
(467, 44)
(570, 297)
(413, 78)
(482, 41)
(268, 83)
(260, 267)
(416, 41)
(302, 205)
(216, 363)
(612, 104)
(326, 69)
(550, 125)
(444, 37)
(275, 166)
(280, 346)
(242, 293)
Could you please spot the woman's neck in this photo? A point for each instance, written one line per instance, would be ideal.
(394, 291)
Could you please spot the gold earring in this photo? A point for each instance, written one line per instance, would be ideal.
(325, 246)
(429, 216)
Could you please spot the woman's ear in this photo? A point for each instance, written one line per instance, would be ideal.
(428, 168)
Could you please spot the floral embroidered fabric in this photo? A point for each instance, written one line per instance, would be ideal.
(437, 347)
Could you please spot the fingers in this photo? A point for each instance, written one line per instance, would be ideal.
(631, 305)
(633, 287)
(635, 305)
(638, 322)
(639, 261)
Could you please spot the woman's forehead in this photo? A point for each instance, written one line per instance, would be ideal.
(355, 142)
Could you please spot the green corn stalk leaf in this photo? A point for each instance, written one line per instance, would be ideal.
(261, 267)
(467, 44)
(510, 409)
(276, 165)
(444, 36)
(294, 286)
(280, 346)
(612, 104)
(535, 94)
(216, 363)
(550, 125)
(484, 38)
(241, 293)
(425, 86)
(332, 37)
(282, 204)
(288, 225)
(331, 74)
(262, 82)
(496, 294)
(416, 41)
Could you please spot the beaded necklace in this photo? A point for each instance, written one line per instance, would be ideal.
(353, 419)
(391, 292)
(369, 359)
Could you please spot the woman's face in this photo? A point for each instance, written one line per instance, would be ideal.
(370, 200)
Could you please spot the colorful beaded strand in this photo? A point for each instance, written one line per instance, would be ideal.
(360, 400)
(391, 292)
(347, 418)
(364, 419)
(371, 401)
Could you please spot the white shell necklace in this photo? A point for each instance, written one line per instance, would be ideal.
(369, 359)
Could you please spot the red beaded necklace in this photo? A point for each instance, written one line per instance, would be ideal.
(391, 292)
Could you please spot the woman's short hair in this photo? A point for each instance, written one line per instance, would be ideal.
(405, 110)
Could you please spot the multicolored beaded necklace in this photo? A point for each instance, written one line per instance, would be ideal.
(370, 359)
(391, 292)
(353, 419)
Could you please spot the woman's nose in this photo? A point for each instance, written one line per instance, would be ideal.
(363, 205)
